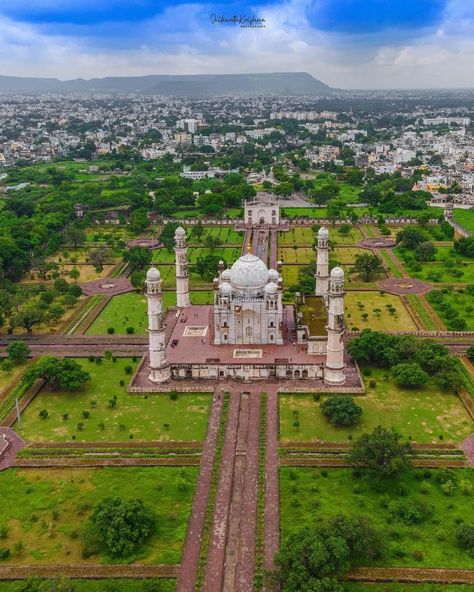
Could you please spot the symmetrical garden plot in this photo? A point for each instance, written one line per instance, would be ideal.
(47, 510)
(141, 417)
(226, 234)
(465, 218)
(429, 414)
(375, 310)
(129, 310)
(303, 236)
(445, 268)
(308, 497)
(461, 300)
(301, 255)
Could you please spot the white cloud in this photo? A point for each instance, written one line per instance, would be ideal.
(443, 58)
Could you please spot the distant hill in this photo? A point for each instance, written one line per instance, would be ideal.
(278, 83)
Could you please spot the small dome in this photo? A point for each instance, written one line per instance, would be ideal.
(337, 273)
(323, 232)
(273, 275)
(153, 275)
(271, 288)
(225, 288)
(180, 232)
(249, 272)
(225, 276)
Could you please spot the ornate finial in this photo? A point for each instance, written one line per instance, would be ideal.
(249, 247)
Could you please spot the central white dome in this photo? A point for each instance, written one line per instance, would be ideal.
(249, 272)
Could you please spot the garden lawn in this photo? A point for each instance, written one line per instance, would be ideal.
(461, 300)
(359, 303)
(302, 255)
(312, 213)
(290, 275)
(354, 236)
(347, 255)
(226, 234)
(303, 236)
(424, 414)
(122, 311)
(48, 509)
(446, 268)
(465, 218)
(308, 497)
(144, 417)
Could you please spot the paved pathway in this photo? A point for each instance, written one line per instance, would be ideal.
(230, 563)
(192, 546)
(272, 492)
(87, 570)
(9, 446)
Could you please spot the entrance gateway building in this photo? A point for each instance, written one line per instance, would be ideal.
(248, 333)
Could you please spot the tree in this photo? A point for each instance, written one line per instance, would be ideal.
(309, 562)
(27, 318)
(137, 257)
(410, 238)
(55, 312)
(311, 559)
(341, 411)
(137, 279)
(198, 230)
(74, 274)
(97, 258)
(368, 266)
(465, 537)
(122, 525)
(64, 373)
(382, 452)
(75, 237)
(410, 375)
(18, 352)
(207, 266)
(425, 251)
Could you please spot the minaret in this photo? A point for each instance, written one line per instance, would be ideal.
(322, 264)
(160, 370)
(182, 273)
(334, 370)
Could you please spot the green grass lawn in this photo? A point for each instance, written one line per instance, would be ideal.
(130, 310)
(447, 267)
(48, 509)
(465, 218)
(302, 255)
(308, 497)
(460, 300)
(226, 234)
(424, 414)
(143, 418)
(296, 236)
(347, 255)
(124, 310)
(354, 236)
(359, 303)
(108, 585)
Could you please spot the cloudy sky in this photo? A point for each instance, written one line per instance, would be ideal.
(345, 43)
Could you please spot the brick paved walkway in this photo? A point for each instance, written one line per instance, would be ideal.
(272, 492)
(192, 546)
(230, 563)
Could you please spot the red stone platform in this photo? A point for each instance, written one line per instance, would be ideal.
(108, 286)
(406, 285)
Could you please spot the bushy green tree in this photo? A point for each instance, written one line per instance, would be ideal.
(18, 352)
(59, 373)
(341, 410)
(410, 375)
(381, 452)
(122, 525)
(368, 266)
